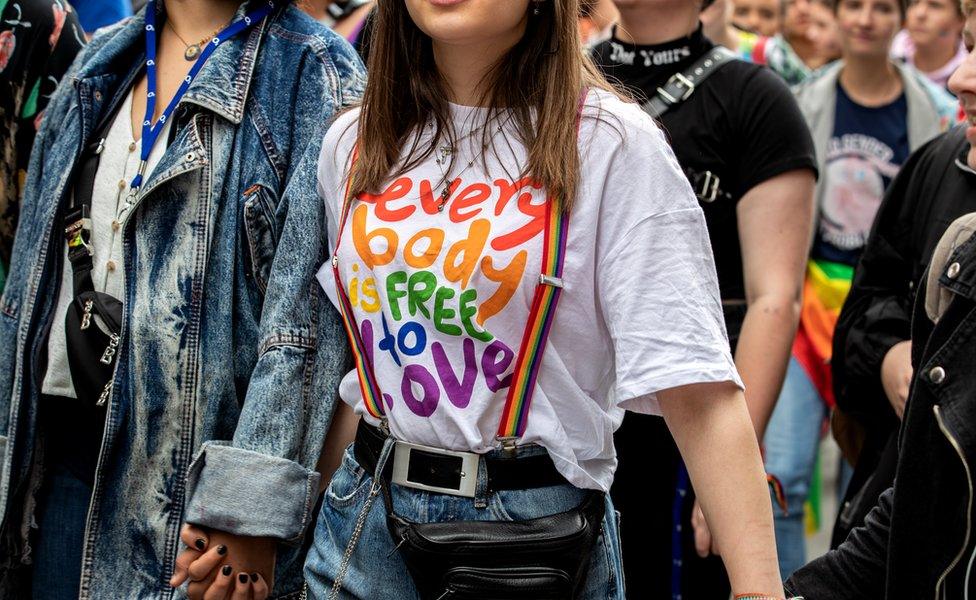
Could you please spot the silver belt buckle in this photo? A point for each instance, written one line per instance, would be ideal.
(469, 469)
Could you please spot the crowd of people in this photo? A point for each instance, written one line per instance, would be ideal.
(449, 299)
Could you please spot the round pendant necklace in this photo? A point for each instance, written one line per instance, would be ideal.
(193, 51)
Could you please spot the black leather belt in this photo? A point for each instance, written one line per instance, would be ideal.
(451, 472)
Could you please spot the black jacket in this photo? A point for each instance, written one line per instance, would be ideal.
(918, 542)
(933, 188)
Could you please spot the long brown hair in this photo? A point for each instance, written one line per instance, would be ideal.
(539, 80)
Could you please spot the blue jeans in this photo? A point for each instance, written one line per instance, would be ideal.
(376, 571)
(62, 509)
(792, 441)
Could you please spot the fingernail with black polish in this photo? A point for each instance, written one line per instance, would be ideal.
(242, 577)
(227, 570)
(254, 576)
(200, 543)
(221, 550)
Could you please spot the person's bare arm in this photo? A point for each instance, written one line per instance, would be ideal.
(775, 228)
(342, 432)
(711, 426)
(896, 375)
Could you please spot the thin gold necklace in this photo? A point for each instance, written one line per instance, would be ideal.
(193, 50)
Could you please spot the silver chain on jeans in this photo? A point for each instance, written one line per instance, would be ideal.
(374, 491)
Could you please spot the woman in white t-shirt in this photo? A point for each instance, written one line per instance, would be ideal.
(468, 135)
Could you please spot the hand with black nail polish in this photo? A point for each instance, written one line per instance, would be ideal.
(221, 587)
(196, 541)
(242, 590)
(231, 567)
(203, 564)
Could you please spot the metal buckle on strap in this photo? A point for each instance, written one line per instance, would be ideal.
(469, 469)
(677, 80)
(709, 187)
(78, 234)
(509, 446)
(550, 280)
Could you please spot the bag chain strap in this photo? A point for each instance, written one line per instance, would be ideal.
(374, 490)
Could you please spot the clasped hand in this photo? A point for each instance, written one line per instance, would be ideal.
(223, 566)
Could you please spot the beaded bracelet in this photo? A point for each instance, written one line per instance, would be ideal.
(763, 597)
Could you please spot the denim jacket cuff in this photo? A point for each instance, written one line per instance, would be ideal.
(248, 493)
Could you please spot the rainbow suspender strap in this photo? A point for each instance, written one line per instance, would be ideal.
(372, 396)
(516, 413)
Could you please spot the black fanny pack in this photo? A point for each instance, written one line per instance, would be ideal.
(541, 558)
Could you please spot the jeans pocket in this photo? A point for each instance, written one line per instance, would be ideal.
(618, 517)
(348, 483)
(612, 546)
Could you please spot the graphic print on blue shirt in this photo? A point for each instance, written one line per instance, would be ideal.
(868, 146)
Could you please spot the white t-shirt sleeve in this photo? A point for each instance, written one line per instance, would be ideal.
(656, 276)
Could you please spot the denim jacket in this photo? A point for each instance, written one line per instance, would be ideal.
(230, 355)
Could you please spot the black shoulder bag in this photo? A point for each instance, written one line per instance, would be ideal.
(93, 322)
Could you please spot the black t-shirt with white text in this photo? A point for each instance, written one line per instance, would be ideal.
(741, 124)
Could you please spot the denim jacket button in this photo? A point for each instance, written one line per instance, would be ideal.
(937, 375)
(190, 156)
(953, 271)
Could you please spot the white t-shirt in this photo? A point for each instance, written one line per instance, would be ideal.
(443, 297)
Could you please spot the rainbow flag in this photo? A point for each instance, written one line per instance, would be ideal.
(824, 290)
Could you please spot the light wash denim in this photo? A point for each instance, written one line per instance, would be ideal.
(792, 441)
(376, 571)
(230, 352)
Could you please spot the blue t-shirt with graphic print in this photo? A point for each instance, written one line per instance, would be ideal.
(868, 146)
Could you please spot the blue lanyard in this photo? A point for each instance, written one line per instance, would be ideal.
(150, 132)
